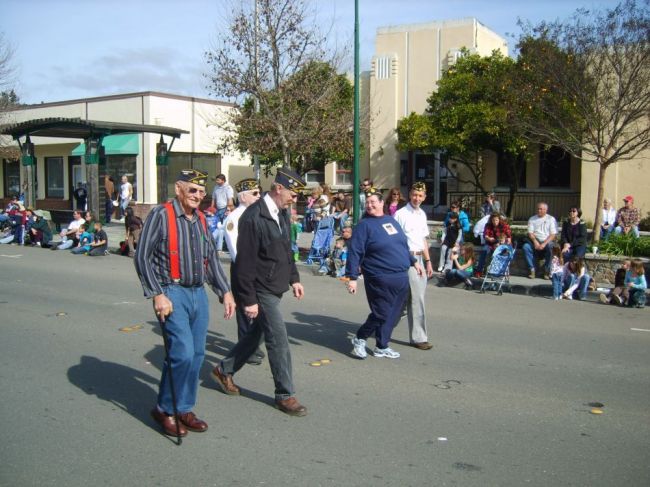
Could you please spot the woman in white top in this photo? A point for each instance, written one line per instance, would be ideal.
(609, 218)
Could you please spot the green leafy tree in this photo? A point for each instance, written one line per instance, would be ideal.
(472, 112)
(586, 81)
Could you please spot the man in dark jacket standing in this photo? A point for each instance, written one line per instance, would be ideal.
(258, 283)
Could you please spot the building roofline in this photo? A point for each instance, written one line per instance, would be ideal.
(122, 96)
(436, 24)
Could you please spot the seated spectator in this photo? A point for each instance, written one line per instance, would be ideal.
(609, 218)
(542, 230)
(463, 218)
(90, 222)
(85, 239)
(635, 285)
(40, 232)
(614, 295)
(450, 239)
(576, 280)
(479, 228)
(490, 205)
(627, 219)
(496, 232)
(573, 236)
(99, 246)
(341, 210)
(69, 234)
(462, 266)
(13, 204)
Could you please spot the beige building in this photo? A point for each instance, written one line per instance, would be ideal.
(59, 161)
(408, 62)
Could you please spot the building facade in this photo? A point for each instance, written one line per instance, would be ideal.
(59, 167)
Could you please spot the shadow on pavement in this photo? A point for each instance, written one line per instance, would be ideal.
(129, 389)
(326, 331)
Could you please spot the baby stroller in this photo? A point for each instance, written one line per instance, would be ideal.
(498, 272)
(320, 245)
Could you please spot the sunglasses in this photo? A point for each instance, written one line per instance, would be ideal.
(294, 196)
(196, 190)
(255, 193)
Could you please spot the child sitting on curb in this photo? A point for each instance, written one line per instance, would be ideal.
(614, 296)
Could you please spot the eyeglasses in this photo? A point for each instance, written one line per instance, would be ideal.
(573, 211)
(196, 190)
(294, 196)
(255, 193)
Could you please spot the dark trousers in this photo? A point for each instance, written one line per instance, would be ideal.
(269, 323)
(386, 297)
(108, 209)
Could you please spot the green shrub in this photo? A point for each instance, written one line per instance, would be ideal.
(627, 245)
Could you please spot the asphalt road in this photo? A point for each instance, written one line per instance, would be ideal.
(501, 400)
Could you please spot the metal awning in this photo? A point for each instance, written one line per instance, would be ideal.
(114, 145)
(76, 128)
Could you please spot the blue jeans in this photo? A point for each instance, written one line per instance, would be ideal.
(457, 274)
(583, 285)
(556, 280)
(386, 297)
(186, 327)
(530, 253)
(81, 250)
(634, 231)
(270, 323)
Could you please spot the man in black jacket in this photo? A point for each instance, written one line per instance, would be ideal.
(258, 283)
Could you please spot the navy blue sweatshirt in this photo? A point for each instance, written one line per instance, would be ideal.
(379, 246)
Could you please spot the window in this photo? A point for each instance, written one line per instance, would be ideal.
(314, 177)
(554, 168)
(11, 173)
(54, 177)
(504, 173)
(343, 177)
(382, 67)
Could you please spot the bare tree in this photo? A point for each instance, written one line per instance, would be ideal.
(588, 85)
(8, 98)
(275, 65)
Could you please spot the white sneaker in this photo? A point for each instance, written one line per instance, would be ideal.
(385, 352)
(359, 349)
(603, 298)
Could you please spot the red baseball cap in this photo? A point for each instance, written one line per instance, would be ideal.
(629, 198)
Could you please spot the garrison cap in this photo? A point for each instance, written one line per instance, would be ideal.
(289, 179)
(192, 176)
(248, 184)
(419, 186)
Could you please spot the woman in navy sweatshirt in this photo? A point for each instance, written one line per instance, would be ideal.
(378, 249)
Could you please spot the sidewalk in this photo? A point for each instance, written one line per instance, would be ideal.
(517, 285)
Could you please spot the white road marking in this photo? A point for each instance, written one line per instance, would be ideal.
(11, 256)
(638, 329)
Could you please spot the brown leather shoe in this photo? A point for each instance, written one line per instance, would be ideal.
(225, 382)
(193, 423)
(422, 346)
(291, 406)
(168, 423)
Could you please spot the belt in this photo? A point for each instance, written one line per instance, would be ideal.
(417, 252)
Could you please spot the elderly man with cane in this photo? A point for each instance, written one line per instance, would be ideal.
(175, 256)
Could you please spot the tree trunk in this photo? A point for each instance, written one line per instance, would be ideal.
(598, 220)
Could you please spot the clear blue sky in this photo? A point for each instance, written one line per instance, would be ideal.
(67, 49)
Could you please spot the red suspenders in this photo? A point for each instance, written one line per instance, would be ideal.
(172, 236)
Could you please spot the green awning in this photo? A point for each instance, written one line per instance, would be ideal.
(115, 145)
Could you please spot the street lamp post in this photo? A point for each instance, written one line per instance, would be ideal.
(355, 168)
